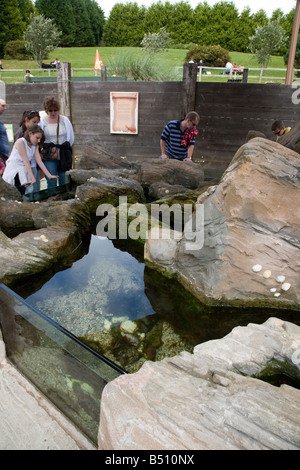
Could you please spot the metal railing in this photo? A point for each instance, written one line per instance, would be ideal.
(257, 75)
(254, 74)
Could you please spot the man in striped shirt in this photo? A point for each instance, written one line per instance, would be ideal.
(177, 140)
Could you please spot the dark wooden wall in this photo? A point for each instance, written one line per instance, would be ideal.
(227, 111)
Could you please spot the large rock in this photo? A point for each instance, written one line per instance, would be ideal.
(209, 400)
(172, 172)
(251, 219)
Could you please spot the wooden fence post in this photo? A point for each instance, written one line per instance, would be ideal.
(64, 88)
(189, 88)
(103, 73)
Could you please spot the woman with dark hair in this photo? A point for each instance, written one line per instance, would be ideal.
(29, 118)
(59, 138)
(24, 157)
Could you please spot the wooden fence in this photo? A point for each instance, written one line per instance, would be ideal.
(227, 112)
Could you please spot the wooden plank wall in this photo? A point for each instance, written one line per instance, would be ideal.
(227, 112)
(159, 102)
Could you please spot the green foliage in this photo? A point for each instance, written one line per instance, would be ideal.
(267, 40)
(125, 25)
(80, 21)
(297, 55)
(211, 56)
(41, 37)
(12, 25)
(156, 42)
(16, 50)
(26, 9)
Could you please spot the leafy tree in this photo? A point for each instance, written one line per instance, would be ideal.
(12, 25)
(125, 25)
(158, 16)
(83, 30)
(41, 36)
(26, 9)
(97, 20)
(155, 42)
(297, 55)
(180, 23)
(266, 40)
(62, 15)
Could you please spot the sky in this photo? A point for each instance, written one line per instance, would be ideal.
(268, 5)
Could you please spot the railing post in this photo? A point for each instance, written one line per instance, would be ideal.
(245, 75)
(103, 73)
(189, 88)
(63, 87)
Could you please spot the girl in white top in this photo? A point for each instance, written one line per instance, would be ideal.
(23, 159)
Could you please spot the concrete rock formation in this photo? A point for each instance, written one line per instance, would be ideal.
(209, 400)
(252, 217)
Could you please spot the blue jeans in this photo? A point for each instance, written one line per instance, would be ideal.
(36, 186)
(52, 167)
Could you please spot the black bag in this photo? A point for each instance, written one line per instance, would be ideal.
(65, 160)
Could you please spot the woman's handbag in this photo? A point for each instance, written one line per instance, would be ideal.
(50, 151)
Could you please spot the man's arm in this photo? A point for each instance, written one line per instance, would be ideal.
(163, 149)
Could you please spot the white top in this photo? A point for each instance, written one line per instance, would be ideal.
(16, 165)
(66, 132)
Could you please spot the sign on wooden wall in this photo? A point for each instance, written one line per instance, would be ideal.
(123, 112)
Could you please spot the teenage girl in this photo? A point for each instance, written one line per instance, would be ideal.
(29, 118)
(23, 159)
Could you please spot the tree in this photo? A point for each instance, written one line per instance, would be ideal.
(12, 26)
(125, 25)
(155, 42)
(97, 20)
(266, 40)
(62, 15)
(26, 9)
(41, 37)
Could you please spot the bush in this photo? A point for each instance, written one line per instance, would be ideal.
(211, 56)
(16, 50)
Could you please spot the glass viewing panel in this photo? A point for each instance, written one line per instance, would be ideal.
(44, 192)
(69, 373)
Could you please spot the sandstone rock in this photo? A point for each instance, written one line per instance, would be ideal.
(172, 172)
(251, 217)
(96, 155)
(209, 400)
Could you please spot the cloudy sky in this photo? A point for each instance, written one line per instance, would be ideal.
(268, 5)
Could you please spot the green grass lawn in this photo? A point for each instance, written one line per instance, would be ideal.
(83, 57)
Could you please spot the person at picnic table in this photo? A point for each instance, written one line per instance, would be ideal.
(177, 140)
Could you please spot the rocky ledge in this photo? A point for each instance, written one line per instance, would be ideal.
(212, 399)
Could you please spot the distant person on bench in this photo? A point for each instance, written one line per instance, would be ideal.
(27, 74)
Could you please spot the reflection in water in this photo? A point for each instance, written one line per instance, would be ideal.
(131, 313)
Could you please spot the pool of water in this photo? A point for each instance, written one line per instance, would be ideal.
(128, 312)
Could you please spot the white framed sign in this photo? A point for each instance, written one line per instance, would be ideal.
(123, 112)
